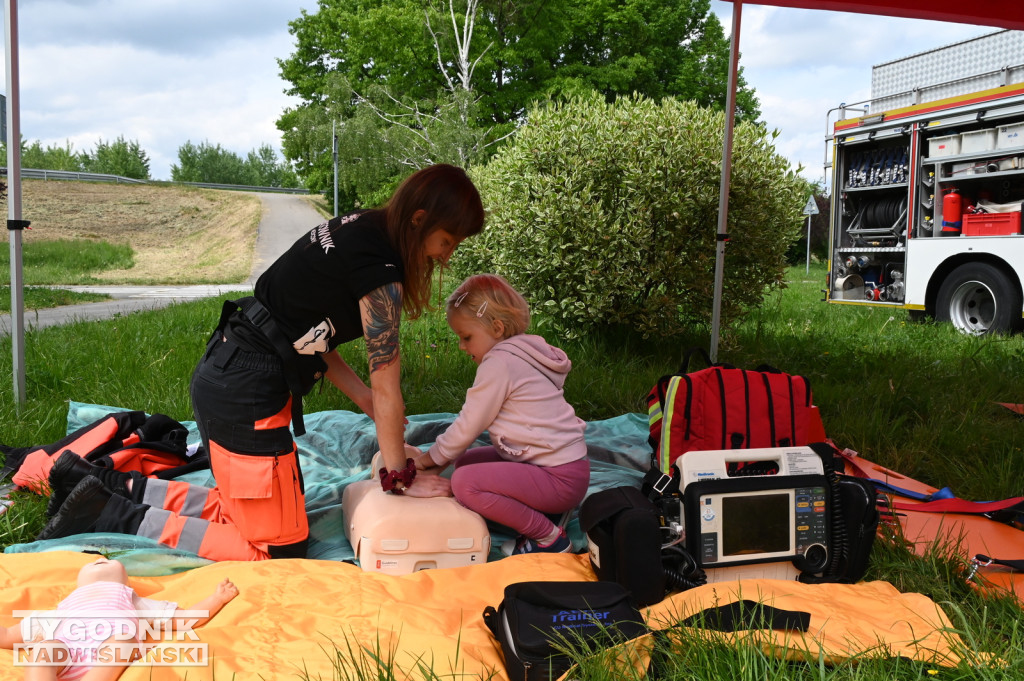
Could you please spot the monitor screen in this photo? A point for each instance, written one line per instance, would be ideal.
(759, 523)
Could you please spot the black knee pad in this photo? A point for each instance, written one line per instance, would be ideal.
(296, 550)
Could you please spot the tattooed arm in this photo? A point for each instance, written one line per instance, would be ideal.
(381, 311)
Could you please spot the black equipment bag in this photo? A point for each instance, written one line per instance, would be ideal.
(624, 541)
(860, 506)
(537, 621)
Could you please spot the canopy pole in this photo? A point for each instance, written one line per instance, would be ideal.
(14, 221)
(723, 191)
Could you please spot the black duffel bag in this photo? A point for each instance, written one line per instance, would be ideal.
(624, 541)
(536, 622)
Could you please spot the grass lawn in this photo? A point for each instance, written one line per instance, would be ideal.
(102, 233)
(916, 397)
(40, 297)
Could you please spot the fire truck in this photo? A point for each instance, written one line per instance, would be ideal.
(927, 188)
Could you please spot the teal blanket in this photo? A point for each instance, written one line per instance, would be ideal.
(336, 451)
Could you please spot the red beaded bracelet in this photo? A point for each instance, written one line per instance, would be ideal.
(389, 479)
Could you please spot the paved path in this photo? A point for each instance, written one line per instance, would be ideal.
(285, 218)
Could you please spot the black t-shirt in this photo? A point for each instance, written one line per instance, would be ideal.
(313, 290)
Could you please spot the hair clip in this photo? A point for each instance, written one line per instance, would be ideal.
(480, 310)
(458, 301)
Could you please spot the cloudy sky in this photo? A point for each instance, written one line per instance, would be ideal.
(164, 72)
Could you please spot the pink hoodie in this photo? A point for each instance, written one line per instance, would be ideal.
(517, 397)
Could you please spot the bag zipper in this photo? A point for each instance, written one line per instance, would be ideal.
(508, 633)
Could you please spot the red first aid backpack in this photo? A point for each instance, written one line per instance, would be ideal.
(724, 407)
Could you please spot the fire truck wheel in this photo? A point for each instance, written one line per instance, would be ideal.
(979, 298)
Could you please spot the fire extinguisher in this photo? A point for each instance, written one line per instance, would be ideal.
(952, 213)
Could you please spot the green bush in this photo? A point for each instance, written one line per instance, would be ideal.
(606, 214)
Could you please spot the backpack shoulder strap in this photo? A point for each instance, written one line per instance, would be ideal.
(696, 350)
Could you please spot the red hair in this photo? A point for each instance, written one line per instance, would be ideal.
(450, 202)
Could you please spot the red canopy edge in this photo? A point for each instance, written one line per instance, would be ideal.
(999, 13)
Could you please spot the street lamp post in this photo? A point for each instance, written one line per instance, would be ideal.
(334, 135)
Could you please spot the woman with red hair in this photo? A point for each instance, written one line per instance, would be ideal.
(350, 277)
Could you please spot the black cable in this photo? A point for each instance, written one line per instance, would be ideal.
(681, 569)
(838, 541)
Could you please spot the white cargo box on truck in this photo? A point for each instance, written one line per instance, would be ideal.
(982, 63)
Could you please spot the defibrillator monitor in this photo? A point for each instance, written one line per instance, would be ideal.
(732, 518)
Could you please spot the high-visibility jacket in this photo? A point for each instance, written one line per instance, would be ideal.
(155, 446)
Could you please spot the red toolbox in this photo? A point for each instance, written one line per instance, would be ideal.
(989, 224)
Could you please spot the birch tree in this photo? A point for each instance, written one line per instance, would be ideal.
(406, 83)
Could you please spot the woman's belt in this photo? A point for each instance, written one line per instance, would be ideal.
(260, 316)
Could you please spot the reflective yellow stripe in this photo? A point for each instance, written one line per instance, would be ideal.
(664, 449)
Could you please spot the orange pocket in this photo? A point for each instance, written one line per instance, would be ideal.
(252, 477)
(261, 495)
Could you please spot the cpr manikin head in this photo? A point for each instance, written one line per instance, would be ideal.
(102, 570)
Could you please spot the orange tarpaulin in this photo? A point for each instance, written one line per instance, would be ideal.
(292, 616)
(951, 534)
(1016, 408)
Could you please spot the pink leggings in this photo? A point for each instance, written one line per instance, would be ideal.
(518, 494)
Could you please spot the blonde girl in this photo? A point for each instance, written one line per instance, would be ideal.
(536, 468)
